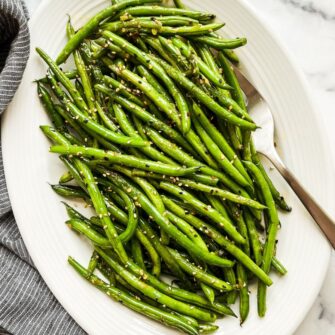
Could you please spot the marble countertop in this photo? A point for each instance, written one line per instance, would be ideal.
(307, 27)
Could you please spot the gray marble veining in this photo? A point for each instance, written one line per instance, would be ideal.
(325, 10)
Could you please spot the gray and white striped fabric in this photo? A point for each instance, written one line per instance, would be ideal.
(26, 304)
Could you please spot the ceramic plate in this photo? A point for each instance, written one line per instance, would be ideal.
(40, 216)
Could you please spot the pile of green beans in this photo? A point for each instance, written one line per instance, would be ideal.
(154, 132)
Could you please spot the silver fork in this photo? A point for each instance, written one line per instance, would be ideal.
(264, 142)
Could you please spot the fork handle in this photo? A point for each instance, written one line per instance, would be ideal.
(326, 224)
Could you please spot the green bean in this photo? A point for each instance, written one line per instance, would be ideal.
(226, 195)
(244, 293)
(162, 250)
(205, 328)
(93, 263)
(240, 270)
(128, 129)
(123, 26)
(124, 286)
(122, 89)
(149, 118)
(153, 81)
(270, 243)
(69, 191)
(208, 292)
(49, 106)
(155, 123)
(72, 139)
(253, 238)
(231, 78)
(279, 267)
(141, 44)
(229, 276)
(132, 217)
(201, 178)
(178, 4)
(164, 223)
(206, 55)
(71, 74)
(98, 50)
(280, 201)
(73, 124)
(102, 131)
(65, 177)
(246, 146)
(74, 172)
(223, 161)
(63, 79)
(139, 127)
(147, 243)
(107, 272)
(74, 214)
(116, 50)
(218, 205)
(164, 11)
(147, 61)
(160, 27)
(54, 135)
(219, 239)
(83, 228)
(200, 148)
(235, 139)
(100, 207)
(199, 274)
(182, 157)
(174, 52)
(133, 303)
(127, 160)
(220, 141)
(170, 20)
(137, 254)
(160, 101)
(56, 88)
(84, 76)
(105, 119)
(224, 97)
(79, 88)
(203, 67)
(96, 224)
(60, 109)
(178, 293)
(156, 45)
(236, 214)
(205, 99)
(220, 43)
(238, 96)
(150, 245)
(187, 229)
(154, 256)
(231, 55)
(150, 192)
(154, 294)
(204, 209)
(154, 240)
(92, 24)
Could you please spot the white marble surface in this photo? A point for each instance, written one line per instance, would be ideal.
(307, 27)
